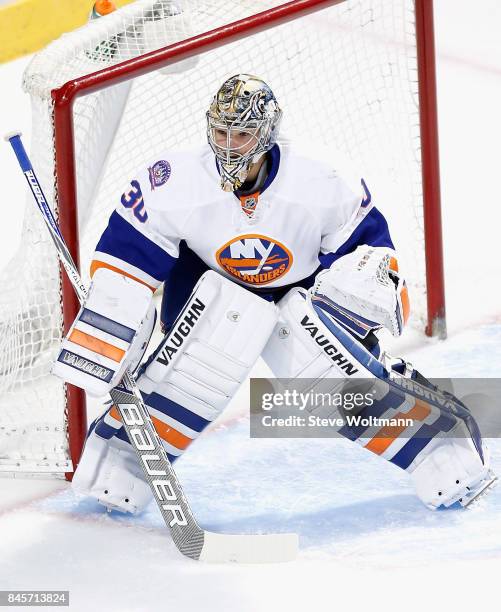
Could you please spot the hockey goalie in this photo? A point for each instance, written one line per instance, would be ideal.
(262, 251)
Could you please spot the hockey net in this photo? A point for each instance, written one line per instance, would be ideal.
(345, 76)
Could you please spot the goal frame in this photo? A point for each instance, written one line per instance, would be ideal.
(66, 190)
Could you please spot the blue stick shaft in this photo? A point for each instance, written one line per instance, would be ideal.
(31, 178)
(41, 200)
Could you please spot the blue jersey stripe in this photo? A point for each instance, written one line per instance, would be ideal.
(372, 230)
(107, 325)
(122, 240)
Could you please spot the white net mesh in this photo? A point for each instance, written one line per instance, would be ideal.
(346, 79)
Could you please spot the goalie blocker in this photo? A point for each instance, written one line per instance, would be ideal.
(109, 335)
(201, 363)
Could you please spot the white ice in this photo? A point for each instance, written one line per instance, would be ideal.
(366, 541)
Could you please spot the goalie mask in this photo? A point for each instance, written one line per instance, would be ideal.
(242, 124)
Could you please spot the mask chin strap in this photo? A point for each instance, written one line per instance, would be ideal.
(233, 175)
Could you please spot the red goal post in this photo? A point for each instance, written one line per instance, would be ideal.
(425, 42)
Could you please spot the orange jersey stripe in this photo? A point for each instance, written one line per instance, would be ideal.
(96, 264)
(96, 345)
(387, 435)
(166, 432)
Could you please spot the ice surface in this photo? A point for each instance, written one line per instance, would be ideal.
(361, 530)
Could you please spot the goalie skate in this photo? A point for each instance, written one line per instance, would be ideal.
(474, 495)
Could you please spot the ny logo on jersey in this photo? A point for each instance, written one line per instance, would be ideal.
(254, 259)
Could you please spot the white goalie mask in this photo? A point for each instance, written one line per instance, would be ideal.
(242, 124)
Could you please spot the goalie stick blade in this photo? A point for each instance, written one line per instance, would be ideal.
(270, 548)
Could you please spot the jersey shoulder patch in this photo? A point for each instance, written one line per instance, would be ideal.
(159, 173)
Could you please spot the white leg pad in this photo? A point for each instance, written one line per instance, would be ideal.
(211, 358)
(109, 472)
(187, 383)
(446, 470)
(450, 471)
(302, 347)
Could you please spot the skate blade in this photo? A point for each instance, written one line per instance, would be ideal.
(470, 500)
(112, 508)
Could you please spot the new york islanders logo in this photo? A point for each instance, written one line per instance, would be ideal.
(254, 259)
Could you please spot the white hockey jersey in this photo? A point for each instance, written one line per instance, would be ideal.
(305, 216)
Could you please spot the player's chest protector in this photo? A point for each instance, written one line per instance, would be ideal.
(266, 248)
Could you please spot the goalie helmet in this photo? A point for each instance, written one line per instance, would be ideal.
(242, 124)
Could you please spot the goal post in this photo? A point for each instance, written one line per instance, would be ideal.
(355, 76)
(428, 113)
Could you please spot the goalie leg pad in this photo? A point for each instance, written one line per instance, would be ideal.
(304, 346)
(109, 471)
(442, 447)
(201, 363)
(453, 471)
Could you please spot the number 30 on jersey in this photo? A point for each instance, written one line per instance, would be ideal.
(134, 199)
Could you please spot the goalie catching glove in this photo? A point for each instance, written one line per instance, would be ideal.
(109, 334)
(365, 291)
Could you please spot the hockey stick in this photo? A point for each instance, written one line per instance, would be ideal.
(188, 536)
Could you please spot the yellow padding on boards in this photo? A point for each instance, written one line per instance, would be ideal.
(29, 25)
